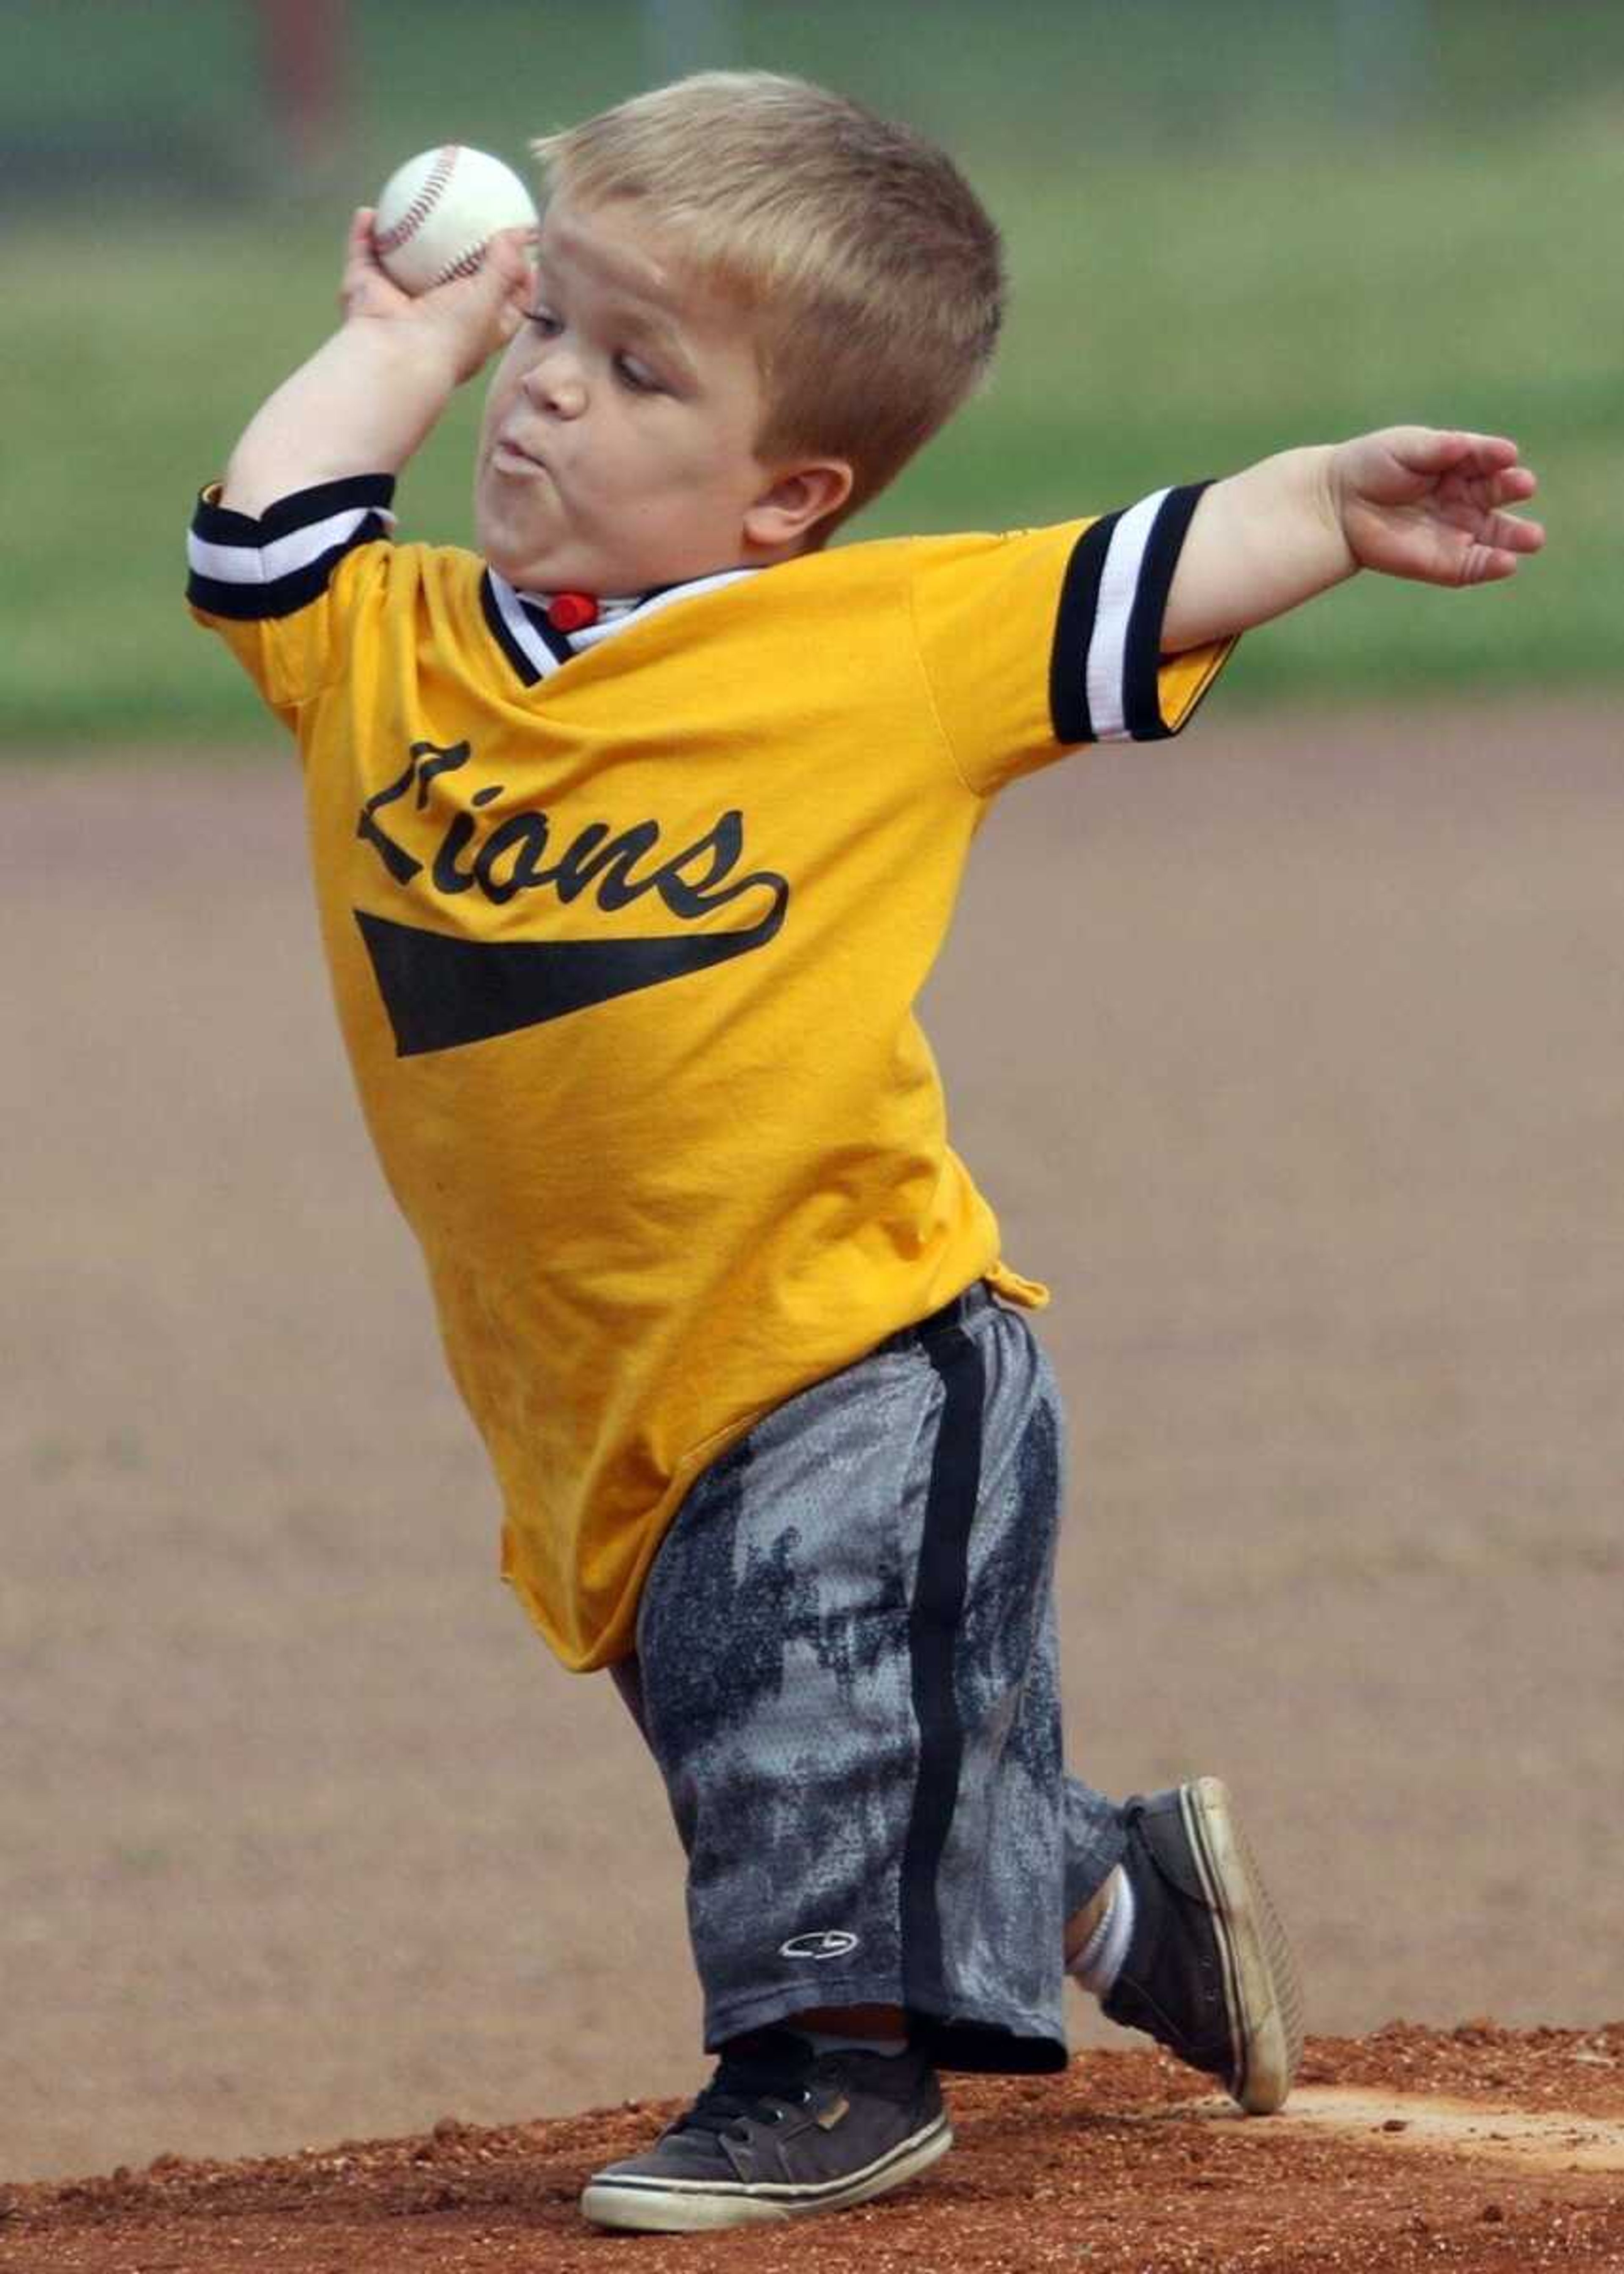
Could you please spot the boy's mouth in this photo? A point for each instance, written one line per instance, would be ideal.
(511, 458)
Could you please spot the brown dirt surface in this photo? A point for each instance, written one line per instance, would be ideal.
(1115, 2168)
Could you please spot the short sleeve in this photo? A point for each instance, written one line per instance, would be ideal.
(279, 588)
(1041, 640)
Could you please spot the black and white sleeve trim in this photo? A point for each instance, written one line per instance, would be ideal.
(1104, 682)
(248, 569)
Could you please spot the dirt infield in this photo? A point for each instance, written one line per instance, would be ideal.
(1289, 1055)
(1482, 2151)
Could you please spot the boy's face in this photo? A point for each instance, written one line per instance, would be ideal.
(618, 450)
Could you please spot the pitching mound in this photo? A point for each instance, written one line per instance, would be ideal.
(1475, 2150)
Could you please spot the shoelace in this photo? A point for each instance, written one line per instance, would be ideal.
(756, 2087)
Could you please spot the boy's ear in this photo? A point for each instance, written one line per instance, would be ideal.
(799, 499)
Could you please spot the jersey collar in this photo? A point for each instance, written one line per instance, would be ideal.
(536, 648)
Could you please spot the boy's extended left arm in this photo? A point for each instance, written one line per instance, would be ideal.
(1415, 501)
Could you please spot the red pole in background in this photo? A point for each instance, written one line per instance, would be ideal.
(305, 49)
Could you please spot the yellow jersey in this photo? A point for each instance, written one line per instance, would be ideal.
(626, 928)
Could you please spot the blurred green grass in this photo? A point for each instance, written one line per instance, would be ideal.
(1196, 281)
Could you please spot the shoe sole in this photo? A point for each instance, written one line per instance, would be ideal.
(702, 2206)
(1262, 1995)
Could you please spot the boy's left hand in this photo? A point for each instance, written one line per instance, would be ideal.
(1417, 501)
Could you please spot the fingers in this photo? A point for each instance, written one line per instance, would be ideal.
(1475, 501)
(358, 240)
(1489, 453)
(508, 257)
(363, 285)
(1451, 449)
(513, 248)
(1510, 533)
(504, 265)
(497, 295)
(503, 272)
(1477, 475)
(1488, 564)
(360, 253)
(1496, 545)
(1483, 494)
(1515, 484)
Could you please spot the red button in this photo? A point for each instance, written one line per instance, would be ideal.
(572, 612)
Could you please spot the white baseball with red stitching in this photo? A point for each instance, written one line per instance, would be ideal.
(437, 212)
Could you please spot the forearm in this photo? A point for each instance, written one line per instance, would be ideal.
(1259, 543)
(361, 405)
(1425, 502)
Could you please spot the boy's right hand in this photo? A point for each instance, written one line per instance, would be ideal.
(467, 320)
(364, 401)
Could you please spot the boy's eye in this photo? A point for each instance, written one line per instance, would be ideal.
(635, 375)
(546, 322)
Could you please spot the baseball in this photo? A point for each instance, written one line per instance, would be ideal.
(436, 214)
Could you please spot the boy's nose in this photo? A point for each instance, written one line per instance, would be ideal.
(554, 383)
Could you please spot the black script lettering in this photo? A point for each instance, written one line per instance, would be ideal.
(395, 858)
(589, 861)
(572, 875)
(441, 759)
(435, 760)
(525, 835)
(448, 877)
(723, 843)
(510, 859)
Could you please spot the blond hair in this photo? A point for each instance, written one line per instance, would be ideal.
(872, 274)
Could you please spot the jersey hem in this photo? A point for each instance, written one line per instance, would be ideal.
(618, 1637)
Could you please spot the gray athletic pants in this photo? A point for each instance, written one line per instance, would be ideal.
(847, 1672)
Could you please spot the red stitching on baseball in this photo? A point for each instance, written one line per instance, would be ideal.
(401, 232)
(464, 265)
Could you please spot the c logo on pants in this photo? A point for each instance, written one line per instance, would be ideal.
(828, 1942)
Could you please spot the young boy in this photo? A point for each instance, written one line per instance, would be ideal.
(635, 837)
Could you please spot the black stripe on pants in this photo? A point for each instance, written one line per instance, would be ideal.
(939, 1591)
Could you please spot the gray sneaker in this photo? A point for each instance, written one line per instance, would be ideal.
(779, 2132)
(1208, 1973)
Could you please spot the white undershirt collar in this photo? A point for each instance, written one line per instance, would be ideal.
(524, 615)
